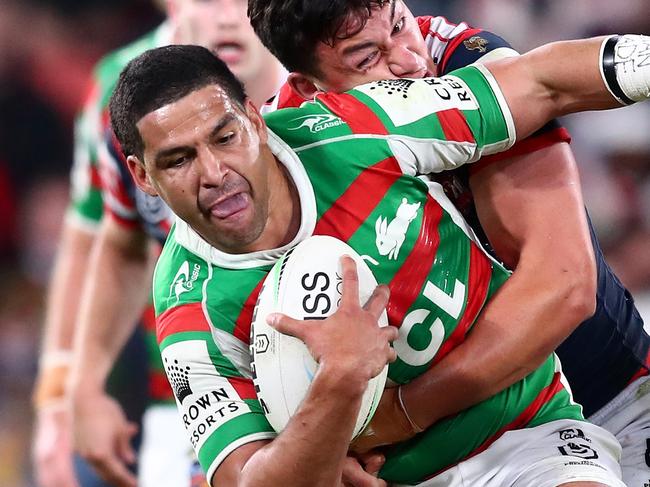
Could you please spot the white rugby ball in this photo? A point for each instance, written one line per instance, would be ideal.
(304, 284)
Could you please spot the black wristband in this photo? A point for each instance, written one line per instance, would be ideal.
(609, 70)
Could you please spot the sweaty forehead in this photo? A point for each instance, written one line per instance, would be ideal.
(185, 116)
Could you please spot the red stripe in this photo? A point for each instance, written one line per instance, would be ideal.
(643, 371)
(478, 285)
(352, 208)
(95, 177)
(159, 388)
(451, 47)
(544, 396)
(243, 387)
(359, 117)
(243, 323)
(148, 318)
(454, 125)
(407, 283)
(288, 98)
(188, 317)
(124, 222)
(525, 146)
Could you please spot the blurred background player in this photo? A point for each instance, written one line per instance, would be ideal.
(221, 26)
(119, 274)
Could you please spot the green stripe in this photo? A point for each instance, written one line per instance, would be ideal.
(488, 125)
(236, 428)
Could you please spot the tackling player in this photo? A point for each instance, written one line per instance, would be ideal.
(529, 202)
(248, 193)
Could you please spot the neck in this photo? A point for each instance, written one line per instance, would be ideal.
(284, 214)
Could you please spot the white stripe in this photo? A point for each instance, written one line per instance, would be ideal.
(505, 109)
(230, 346)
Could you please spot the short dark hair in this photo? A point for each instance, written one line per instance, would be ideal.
(162, 76)
(291, 29)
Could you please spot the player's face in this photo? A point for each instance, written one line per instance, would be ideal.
(389, 46)
(223, 27)
(202, 155)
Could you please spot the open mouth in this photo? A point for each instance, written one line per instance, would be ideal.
(229, 52)
(229, 206)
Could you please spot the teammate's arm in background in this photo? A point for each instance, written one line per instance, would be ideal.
(53, 454)
(116, 291)
(52, 448)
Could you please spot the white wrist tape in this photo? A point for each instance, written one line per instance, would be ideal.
(56, 358)
(625, 67)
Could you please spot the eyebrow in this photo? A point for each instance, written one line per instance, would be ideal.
(365, 45)
(223, 121)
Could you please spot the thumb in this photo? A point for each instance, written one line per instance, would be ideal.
(286, 325)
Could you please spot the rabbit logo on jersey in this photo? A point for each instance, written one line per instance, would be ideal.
(206, 402)
(317, 123)
(390, 236)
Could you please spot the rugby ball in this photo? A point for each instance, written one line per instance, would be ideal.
(304, 284)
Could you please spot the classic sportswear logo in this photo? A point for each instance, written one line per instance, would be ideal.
(317, 123)
(183, 281)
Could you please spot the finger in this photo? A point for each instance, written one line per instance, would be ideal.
(287, 325)
(350, 291)
(391, 333)
(116, 473)
(378, 300)
(124, 449)
(354, 474)
(372, 462)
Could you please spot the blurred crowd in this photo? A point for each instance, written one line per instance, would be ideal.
(47, 49)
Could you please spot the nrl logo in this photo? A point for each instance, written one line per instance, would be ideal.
(317, 123)
(476, 43)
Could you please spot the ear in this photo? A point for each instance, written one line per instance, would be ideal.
(254, 115)
(303, 85)
(140, 176)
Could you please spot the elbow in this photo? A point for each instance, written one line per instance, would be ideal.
(579, 294)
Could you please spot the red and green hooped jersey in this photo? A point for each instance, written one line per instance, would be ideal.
(360, 162)
(86, 205)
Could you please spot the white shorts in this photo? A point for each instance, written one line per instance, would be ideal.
(627, 417)
(545, 456)
(166, 455)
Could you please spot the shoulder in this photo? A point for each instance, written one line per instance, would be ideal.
(109, 67)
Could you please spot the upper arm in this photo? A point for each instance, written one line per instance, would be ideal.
(531, 208)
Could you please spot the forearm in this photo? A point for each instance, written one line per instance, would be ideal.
(532, 211)
(561, 78)
(311, 449)
(112, 301)
(523, 324)
(64, 291)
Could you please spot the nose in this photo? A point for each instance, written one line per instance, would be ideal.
(403, 62)
(211, 169)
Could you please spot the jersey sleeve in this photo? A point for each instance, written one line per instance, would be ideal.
(117, 185)
(478, 46)
(433, 124)
(218, 406)
(85, 209)
(206, 360)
